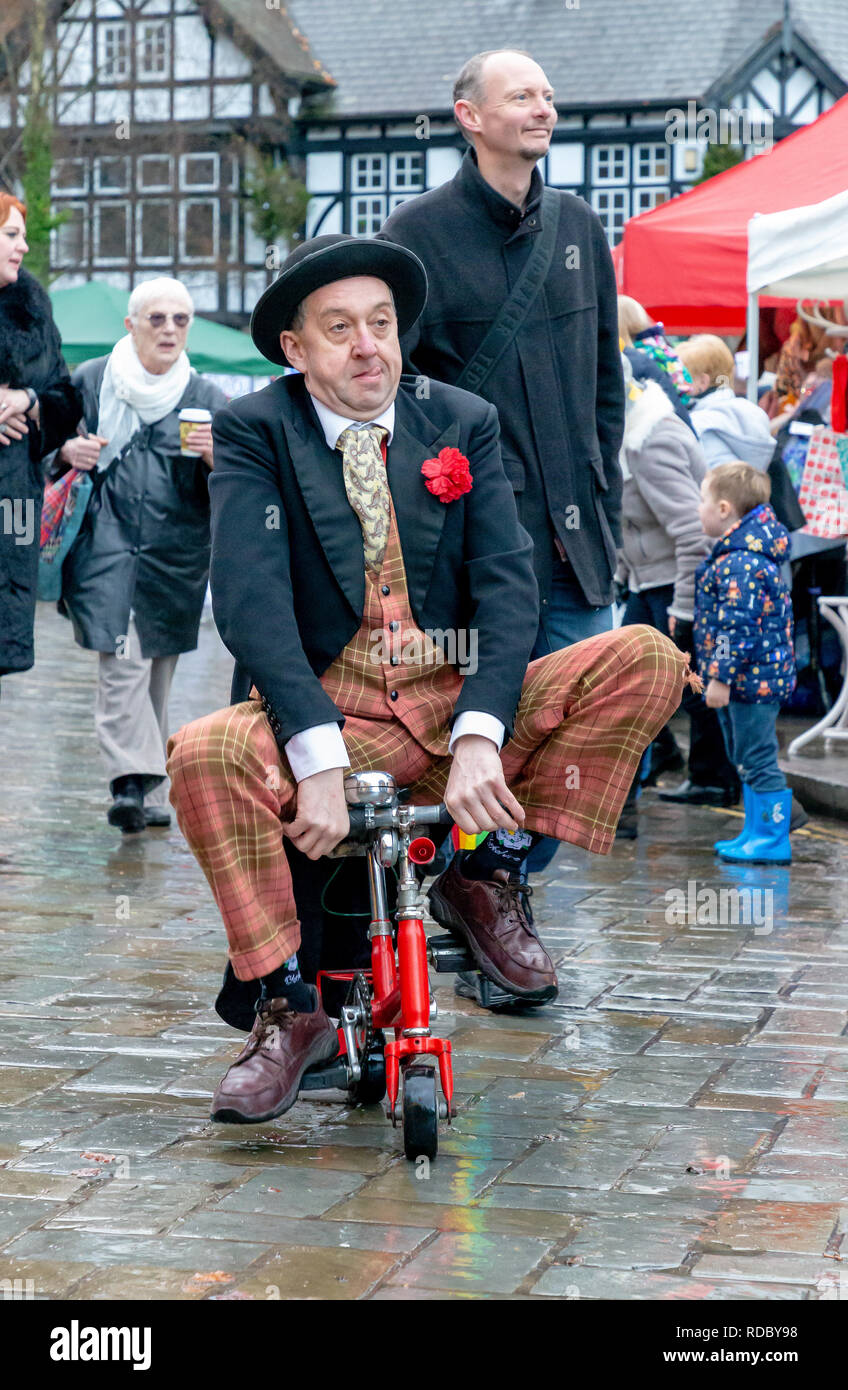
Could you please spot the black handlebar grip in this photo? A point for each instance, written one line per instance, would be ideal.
(358, 828)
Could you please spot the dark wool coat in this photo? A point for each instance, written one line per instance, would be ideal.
(743, 611)
(30, 355)
(288, 571)
(144, 543)
(558, 387)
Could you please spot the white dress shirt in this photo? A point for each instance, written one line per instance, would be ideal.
(322, 747)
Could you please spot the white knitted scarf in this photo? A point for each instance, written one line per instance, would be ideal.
(130, 396)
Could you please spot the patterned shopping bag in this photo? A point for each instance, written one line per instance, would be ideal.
(62, 515)
(824, 494)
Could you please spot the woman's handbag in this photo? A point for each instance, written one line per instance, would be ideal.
(824, 494)
(62, 515)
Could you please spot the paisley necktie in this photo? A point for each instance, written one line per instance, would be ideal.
(367, 487)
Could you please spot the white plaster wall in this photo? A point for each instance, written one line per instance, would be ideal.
(192, 48)
(441, 164)
(324, 172)
(229, 60)
(566, 162)
(191, 103)
(233, 100)
(74, 54)
(152, 104)
(111, 105)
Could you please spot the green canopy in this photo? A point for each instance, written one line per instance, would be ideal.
(90, 319)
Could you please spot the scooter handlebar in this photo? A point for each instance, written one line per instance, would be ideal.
(385, 818)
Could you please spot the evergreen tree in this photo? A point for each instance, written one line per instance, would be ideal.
(717, 158)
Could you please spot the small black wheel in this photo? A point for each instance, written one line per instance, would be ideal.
(420, 1113)
(371, 1087)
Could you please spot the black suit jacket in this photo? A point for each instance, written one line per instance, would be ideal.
(288, 570)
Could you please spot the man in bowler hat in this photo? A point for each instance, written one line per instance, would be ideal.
(351, 509)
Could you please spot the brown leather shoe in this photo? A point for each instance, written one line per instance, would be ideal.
(264, 1080)
(489, 917)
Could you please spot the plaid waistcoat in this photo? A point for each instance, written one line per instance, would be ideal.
(391, 669)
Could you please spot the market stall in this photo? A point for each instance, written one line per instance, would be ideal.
(800, 254)
(687, 259)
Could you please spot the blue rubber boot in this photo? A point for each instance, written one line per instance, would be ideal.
(768, 842)
(721, 845)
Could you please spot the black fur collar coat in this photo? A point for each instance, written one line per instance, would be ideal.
(30, 355)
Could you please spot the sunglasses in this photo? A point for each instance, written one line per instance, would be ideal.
(159, 320)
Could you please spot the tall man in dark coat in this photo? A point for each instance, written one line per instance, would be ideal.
(558, 387)
(347, 513)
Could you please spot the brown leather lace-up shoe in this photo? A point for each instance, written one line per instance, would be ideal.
(264, 1080)
(489, 917)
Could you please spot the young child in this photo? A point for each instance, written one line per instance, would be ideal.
(728, 426)
(743, 638)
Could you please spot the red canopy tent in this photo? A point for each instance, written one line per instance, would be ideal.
(685, 260)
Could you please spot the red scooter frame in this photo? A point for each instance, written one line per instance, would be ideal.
(398, 981)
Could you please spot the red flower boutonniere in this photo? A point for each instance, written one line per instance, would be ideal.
(448, 476)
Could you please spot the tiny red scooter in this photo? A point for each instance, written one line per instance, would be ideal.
(394, 995)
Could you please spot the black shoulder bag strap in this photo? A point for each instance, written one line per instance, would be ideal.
(515, 309)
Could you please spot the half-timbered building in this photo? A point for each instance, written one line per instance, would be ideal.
(155, 101)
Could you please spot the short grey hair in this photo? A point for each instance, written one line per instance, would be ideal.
(298, 318)
(469, 84)
(154, 289)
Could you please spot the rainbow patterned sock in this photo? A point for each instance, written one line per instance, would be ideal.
(462, 841)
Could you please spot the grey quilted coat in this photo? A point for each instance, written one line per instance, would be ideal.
(663, 464)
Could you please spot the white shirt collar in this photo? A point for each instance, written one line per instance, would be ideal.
(333, 424)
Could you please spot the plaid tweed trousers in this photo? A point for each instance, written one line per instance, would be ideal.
(585, 717)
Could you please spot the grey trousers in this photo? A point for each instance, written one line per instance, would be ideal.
(131, 714)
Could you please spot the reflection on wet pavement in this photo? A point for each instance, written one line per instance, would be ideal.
(673, 1127)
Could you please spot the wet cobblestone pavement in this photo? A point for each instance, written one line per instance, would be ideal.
(673, 1127)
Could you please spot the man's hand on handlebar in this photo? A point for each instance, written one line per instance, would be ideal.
(321, 818)
(477, 795)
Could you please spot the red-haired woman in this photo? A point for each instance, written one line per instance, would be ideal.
(39, 409)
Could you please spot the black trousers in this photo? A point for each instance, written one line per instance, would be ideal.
(709, 765)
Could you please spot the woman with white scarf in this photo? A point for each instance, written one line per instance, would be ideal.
(134, 582)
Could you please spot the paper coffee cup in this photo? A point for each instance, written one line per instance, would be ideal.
(189, 420)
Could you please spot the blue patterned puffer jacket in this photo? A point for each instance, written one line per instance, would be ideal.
(743, 611)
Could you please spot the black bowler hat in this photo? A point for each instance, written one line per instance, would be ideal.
(336, 257)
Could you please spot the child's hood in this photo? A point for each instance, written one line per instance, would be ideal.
(742, 426)
(759, 532)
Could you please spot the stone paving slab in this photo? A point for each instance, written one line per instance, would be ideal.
(104, 1249)
(45, 1279)
(584, 1282)
(222, 1224)
(776, 1226)
(649, 1244)
(672, 1127)
(472, 1260)
(477, 1216)
(19, 1213)
(292, 1192)
(124, 1207)
(315, 1273)
(790, 1269)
